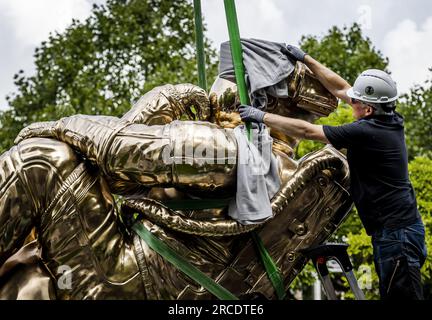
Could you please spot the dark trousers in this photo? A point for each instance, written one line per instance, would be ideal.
(398, 256)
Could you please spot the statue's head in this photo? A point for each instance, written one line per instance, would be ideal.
(307, 99)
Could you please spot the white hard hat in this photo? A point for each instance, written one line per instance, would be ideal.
(374, 86)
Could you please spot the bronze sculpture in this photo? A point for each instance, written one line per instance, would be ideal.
(60, 178)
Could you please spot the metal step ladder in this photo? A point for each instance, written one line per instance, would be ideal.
(337, 252)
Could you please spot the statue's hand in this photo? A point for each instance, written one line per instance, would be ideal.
(38, 129)
(167, 103)
(86, 134)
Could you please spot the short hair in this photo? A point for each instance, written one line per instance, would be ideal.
(384, 108)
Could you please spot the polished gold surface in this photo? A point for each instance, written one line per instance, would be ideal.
(308, 93)
(26, 276)
(74, 212)
(167, 103)
(61, 176)
(171, 155)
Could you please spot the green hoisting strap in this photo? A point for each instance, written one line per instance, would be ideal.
(216, 289)
(182, 264)
(270, 267)
(237, 56)
(159, 246)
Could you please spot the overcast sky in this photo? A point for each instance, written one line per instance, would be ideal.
(401, 29)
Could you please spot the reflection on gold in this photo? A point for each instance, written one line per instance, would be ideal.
(61, 176)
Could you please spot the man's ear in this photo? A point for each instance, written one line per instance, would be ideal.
(369, 111)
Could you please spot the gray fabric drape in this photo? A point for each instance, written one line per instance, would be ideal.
(266, 68)
(257, 176)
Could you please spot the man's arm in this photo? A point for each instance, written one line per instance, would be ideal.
(330, 79)
(295, 127)
(292, 127)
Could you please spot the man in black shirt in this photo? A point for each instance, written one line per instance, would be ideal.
(377, 157)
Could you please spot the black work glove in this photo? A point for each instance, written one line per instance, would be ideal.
(296, 53)
(248, 113)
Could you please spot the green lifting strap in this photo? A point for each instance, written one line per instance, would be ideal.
(237, 57)
(182, 264)
(270, 267)
(160, 247)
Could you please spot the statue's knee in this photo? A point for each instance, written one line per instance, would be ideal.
(45, 165)
(47, 155)
(31, 174)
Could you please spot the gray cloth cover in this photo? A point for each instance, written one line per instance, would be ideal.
(257, 176)
(266, 68)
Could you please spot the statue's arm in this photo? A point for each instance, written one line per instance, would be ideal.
(191, 155)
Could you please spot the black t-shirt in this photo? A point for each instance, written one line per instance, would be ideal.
(378, 162)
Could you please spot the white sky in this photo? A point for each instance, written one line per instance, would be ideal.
(401, 29)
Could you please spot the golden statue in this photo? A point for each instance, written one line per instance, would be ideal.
(60, 178)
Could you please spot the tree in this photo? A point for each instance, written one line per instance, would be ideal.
(420, 170)
(100, 66)
(347, 52)
(416, 107)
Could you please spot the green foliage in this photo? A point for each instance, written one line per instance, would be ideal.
(361, 253)
(305, 279)
(420, 170)
(100, 66)
(416, 107)
(347, 52)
